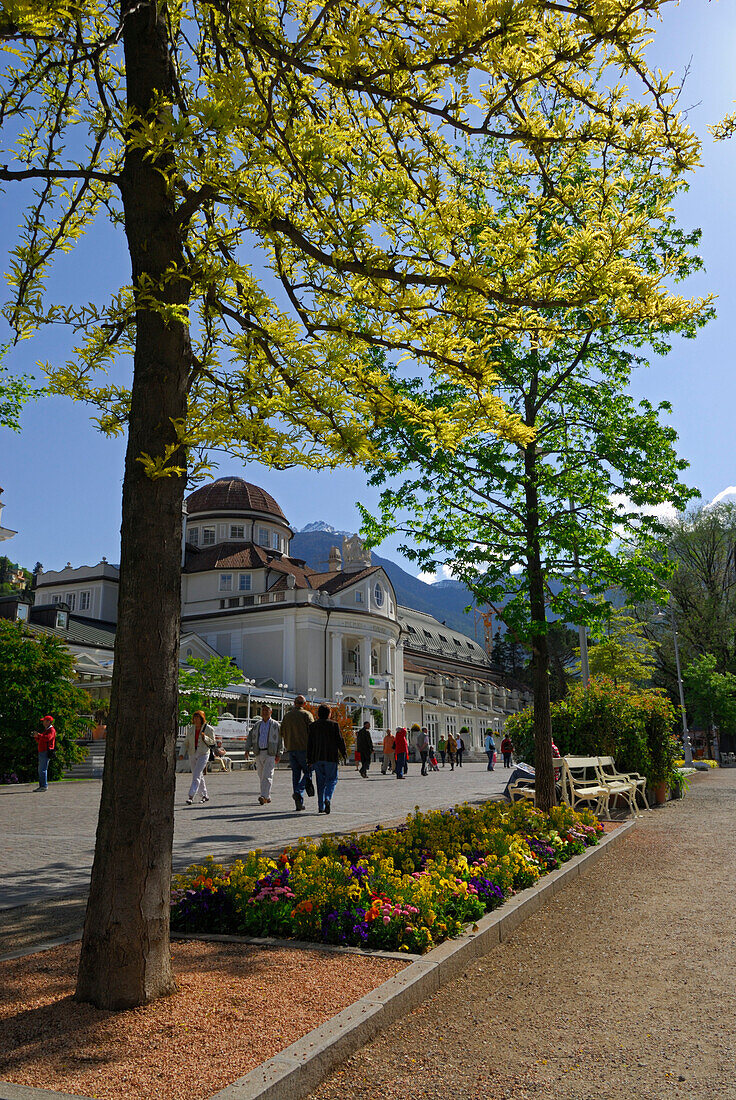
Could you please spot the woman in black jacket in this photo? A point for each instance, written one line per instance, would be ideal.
(325, 746)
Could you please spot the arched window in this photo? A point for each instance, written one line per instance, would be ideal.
(378, 596)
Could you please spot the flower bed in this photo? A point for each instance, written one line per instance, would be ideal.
(403, 889)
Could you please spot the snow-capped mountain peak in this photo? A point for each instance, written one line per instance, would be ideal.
(320, 525)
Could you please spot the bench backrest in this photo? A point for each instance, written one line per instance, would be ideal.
(576, 763)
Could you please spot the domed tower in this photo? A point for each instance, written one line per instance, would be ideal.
(233, 510)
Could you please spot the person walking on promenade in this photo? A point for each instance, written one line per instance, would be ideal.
(197, 745)
(365, 748)
(325, 746)
(46, 744)
(388, 753)
(461, 745)
(452, 750)
(264, 741)
(442, 749)
(422, 744)
(490, 749)
(432, 754)
(401, 751)
(506, 748)
(294, 733)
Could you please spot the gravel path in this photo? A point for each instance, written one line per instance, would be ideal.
(623, 987)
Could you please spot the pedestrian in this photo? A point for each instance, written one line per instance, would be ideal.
(452, 750)
(422, 743)
(295, 733)
(506, 748)
(461, 745)
(365, 748)
(325, 746)
(442, 749)
(46, 745)
(401, 751)
(490, 749)
(388, 753)
(197, 745)
(432, 754)
(264, 741)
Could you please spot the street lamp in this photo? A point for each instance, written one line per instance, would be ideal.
(283, 688)
(686, 746)
(312, 693)
(251, 685)
(421, 706)
(362, 700)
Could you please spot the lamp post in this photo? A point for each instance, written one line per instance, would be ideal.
(251, 685)
(686, 746)
(421, 707)
(312, 693)
(283, 688)
(338, 697)
(362, 701)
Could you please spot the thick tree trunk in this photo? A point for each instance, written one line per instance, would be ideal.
(544, 782)
(125, 959)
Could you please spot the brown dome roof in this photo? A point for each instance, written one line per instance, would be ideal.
(232, 494)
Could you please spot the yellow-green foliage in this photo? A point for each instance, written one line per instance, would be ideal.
(326, 210)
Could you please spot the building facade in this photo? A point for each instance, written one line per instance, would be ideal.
(337, 635)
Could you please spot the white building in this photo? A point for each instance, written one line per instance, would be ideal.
(5, 532)
(337, 635)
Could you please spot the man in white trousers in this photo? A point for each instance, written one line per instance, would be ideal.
(264, 741)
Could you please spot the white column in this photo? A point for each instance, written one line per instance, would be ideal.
(336, 663)
(365, 659)
(289, 657)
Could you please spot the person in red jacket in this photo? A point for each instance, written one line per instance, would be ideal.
(46, 741)
(401, 751)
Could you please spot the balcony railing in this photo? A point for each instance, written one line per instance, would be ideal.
(353, 678)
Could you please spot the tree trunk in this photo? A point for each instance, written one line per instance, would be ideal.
(125, 959)
(544, 782)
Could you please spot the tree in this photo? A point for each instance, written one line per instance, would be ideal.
(36, 672)
(701, 549)
(285, 179)
(712, 696)
(201, 684)
(521, 525)
(15, 392)
(622, 651)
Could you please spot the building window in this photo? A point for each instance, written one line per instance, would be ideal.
(208, 536)
(55, 599)
(193, 536)
(263, 536)
(358, 597)
(226, 582)
(433, 726)
(378, 596)
(85, 599)
(451, 725)
(244, 582)
(61, 620)
(237, 531)
(71, 599)
(234, 602)
(274, 541)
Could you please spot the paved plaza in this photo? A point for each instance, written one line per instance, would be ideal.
(49, 838)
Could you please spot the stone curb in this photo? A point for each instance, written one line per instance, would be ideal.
(294, 1072)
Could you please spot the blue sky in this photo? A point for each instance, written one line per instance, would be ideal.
(62, 480)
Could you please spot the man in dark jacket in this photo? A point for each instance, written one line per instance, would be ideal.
(365, 748)
(325, 746)
(295, 732)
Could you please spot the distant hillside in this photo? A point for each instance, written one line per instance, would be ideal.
(445, 600)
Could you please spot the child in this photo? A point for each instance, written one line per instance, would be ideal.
(432, 756)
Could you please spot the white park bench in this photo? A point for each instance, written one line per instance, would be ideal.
(609, 773)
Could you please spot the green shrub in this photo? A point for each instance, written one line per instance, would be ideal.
(634, 727)
(36, 672)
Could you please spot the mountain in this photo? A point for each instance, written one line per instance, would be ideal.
(320, 525)
(446, 600)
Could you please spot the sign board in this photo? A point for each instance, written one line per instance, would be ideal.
(378, 681)
(230, 727)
